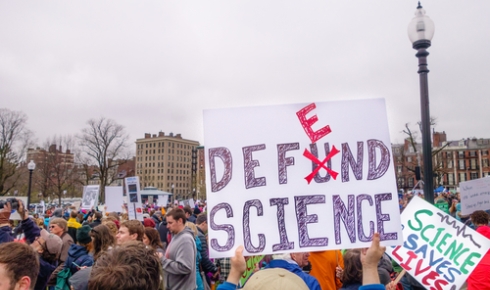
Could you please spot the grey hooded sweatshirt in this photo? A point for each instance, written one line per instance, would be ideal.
(179, 262)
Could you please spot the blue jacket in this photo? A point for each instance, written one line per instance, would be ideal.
(310, 281)
(80, 256)
(6, 234)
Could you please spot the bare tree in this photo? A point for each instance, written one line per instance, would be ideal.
(56, 173)
(14, 140)
(105, 142)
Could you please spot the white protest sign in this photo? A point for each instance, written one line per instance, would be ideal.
(135, 210)
(162, 200)
(90, 196)
(15, 216)
(438, 251)
(475, 195)
(114, 198)
(300, 178)
(191, 203)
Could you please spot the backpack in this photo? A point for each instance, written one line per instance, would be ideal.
(63, 276)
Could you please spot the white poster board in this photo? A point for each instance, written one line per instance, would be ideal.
(114, 198)
(475, 195)
(191, 203)
(15, 215)
(135, 209)
(438, 251)
(162, 200)
(300, 178)
(90, 196)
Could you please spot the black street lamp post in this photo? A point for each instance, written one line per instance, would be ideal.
(420, 32)
(31, 166)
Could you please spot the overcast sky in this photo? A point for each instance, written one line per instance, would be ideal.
(156, 65)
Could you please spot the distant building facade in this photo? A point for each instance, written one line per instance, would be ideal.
(453, 161)
(166, 162)
(201, 174)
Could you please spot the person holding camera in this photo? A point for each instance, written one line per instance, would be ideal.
(7, 206)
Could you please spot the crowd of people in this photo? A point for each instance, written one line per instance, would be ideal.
(73, 249)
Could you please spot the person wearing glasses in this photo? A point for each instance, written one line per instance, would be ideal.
(59, 227)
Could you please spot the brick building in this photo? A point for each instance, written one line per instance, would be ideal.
(453, 161)
(168, 163)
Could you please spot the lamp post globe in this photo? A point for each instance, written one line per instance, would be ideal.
(31, 166)
(420, 33)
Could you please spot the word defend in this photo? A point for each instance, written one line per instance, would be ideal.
(439, 251)
(257, 159)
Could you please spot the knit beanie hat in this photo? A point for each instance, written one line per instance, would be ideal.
(83, 235)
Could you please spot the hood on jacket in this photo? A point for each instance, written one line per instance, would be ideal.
(76, 251)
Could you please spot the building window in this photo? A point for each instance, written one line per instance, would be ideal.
(410, 181)
(450, 178)
(462, 177)
(473, 175)
(473, 163)
(461, 164)
(449, 164)
(409, 159)
(461, 154)
(473, 153)
(485, 162)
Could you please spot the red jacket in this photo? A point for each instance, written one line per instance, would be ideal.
(479, 278)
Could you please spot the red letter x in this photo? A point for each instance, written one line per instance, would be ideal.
(321, 165)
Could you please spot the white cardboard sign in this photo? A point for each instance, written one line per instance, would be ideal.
(135, 210)
(114, 198)
(475, 195)
(439, 251)
(300, 178)
(90, 196)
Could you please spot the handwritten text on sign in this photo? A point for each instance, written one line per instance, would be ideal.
(439, 251)
(278, 181)
(475, 195)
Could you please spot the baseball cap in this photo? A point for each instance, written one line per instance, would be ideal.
(53, 242)
(275, 279)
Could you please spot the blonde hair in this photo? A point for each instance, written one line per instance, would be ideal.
(193, 227)
(61, 222)
(111, 225)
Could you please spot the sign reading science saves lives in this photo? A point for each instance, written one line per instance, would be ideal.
(300, 178)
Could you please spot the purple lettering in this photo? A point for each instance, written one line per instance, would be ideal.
(250, 164)
(283, 161)
(246, 226)
(360, 226)
(225, 156)
(227, 228)
(304, 219)
(347, 215)
(314, 151)
(381, 218)
(283, 235)
(376, 172)
(348, 159)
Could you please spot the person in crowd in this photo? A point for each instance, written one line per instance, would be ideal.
(206, 264)
(163, 232)
(19, 266)
(132, 230)
(79, 254)
(96, 219)
(188, 214)
(294, 262)
(148, 222)
(6, 234)
(157, 218)
(48, 246)
(73, 225)
(118, 268)
(59, 227)
(324, 267)
(479, 278)
(151, 238)
(112, 227)
(199, 276)
(179, 261)
(40, 223)
(102, 240)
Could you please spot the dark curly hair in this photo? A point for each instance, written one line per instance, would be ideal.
(479, 217)
(352, 267)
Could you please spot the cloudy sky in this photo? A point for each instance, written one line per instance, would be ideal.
(156, 65)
